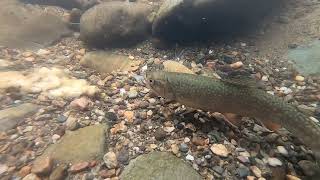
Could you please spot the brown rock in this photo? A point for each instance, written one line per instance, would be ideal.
(59, 173)
(291, 177)
(31, 177)
(198, 141)
(79, 167)
(107, 173)
(24, 171)
(81, 103)
(129, 115)
(220, 150)
(42, 166)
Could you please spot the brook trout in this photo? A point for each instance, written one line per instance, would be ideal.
(216, 95)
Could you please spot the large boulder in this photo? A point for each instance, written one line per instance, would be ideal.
(115, 24)
(159, 166)
(85, 144)
(189, 20)
(28, 27)
(68, 4)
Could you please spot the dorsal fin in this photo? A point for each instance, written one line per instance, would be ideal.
(240, 78)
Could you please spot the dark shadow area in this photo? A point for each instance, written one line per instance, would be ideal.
(216, 20)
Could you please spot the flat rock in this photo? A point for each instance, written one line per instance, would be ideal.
(37, 29)
(82, 145)
(10, 117)
(160, 166)
(105, 62)
(115, 24)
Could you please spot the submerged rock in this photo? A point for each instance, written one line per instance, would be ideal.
(85, 144)
(160, 166)
(10, 117)
(115, 24)
(179, 20)
(36, 28)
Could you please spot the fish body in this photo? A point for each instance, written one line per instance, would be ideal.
(215, 95)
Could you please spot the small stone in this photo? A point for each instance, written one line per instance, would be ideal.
(72, 123)
(111, 116)
(274, 162)
(198, 141)
(131, 57)
(59, 173)
(184, 148)
(61, 118)
(120, 127)
(218, 169)
(123, 156)
(152, 100)
(55, 138)
(27, 54)
(251, 178)
(299, 78)
(153, 146)
(31, 177)
(30, 59)
(168, 129)
(43, 52)
(24, 171)
(264, 78)
(220, 150)
(80, 103)
(110, 160)
(186, 140)
(282, 150)
(42, 166)
(256, 171)
(243, 159)
(291, 177)
(236, 65)
(107, 173)
(243, 171)
(160, 134)
(149, 113)
(128, 115)
(3, 168)
(28, 129)
(309, 168)
(132, 94)
(189, 157)
(175, 149)
(79, 167)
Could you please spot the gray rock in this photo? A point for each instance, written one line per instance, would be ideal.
(115, 24)
(132, 94)
(243, 171)
(36, 28)
(159, 166)
(309, 168)
(85, 144)
(9, 118)
(184, 148)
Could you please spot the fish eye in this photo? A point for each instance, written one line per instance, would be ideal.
(151, 81)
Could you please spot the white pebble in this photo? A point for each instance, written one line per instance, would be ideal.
(186, 139)
(274, 162)
(55, 138)
(282, 150)
(189, 157)
(265, 78)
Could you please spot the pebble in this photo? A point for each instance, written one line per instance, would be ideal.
(28, 129)
(61, 118)
(243, 159)
(189, 157)
(218, 169)
(256, 171)
(149, 113)
(186, 140)
(79, 167)
(42, 166)
(43, 52)
(243, 171)
(236, 65)
(309, 168)
(3, 168)
(120, 127)
(110, 160)
(168, 129)
(111, 116)
(160, 134)
(198, 141)
(282, 150)
(129, 115)
(220, 150)
(265, 78)
(274, 162)
(132, 94)
(24, 171)
(299, 78)
(184, 148)
(175, 149)
(291, 177)
(123, 156)
(59, 173)
(107, 173)
(72, 123)
(55, 138)
(251, 178)
(31, 177)
(80, 103)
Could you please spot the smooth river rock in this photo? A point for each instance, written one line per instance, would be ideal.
(159, 166)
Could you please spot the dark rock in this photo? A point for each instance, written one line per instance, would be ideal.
(243, 171)
(116, 24)
(309, 168)
(160, 134)
(111, 116)
(184, 148)
(218, 169)
(123, 156)
(61, 118)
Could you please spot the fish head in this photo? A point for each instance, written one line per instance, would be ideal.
(158, 82)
